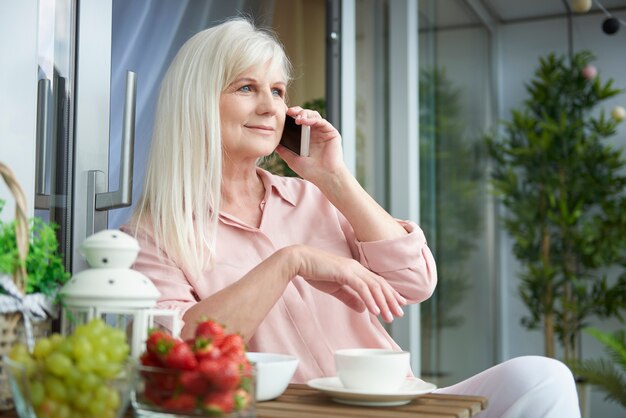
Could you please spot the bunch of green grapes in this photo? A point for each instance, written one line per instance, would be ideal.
(75, 376)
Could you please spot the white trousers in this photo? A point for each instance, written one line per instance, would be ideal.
(523, 387)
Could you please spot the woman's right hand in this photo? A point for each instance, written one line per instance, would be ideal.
(349, 281)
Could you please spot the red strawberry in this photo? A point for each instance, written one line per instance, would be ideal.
(149, 359)
(209, 329)
(194, 382)
(229, 374)
(180, 356)
(205, 348)
(222, 373)
(183, 402)
(233, 346)
(210, 369)
(159, 343)
(219, 402)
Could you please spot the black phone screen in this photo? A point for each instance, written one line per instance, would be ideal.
(292, 135)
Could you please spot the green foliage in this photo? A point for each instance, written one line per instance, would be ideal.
(562, 186)
(608, 376)
(44, 265)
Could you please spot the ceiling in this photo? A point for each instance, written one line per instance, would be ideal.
(444, 14)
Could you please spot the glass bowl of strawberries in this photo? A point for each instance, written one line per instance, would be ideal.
(208, 375)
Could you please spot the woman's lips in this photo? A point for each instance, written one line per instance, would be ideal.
(261, 128)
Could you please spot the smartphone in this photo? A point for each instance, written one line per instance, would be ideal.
(296, 137)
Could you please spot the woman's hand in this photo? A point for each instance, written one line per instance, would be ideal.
(325, 154)
(350, 282)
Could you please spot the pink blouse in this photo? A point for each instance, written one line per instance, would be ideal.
(305, 322)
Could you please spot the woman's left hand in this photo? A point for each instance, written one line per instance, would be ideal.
(325, 152)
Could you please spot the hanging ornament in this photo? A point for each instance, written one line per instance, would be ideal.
(589, 72)
(618, 113)
(581, 6)
(610, 25)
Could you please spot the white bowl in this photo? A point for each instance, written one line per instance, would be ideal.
(273, 373)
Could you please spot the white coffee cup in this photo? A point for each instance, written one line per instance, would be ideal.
(372, 369)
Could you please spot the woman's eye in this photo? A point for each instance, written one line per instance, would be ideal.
(245, 89)
(278, 92)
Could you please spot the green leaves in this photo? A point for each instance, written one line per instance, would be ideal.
(608, 376)
(44, 265)
(563, 189)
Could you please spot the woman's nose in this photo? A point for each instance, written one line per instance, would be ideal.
(267, 103)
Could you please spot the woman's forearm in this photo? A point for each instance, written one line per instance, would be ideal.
(243, 305)
(368, 219)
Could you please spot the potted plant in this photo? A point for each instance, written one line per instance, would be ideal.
(31, 273)
(562, 186)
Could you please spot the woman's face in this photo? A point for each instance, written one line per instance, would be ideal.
(252, 113)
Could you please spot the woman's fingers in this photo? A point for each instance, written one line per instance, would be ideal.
(378, 295)
(346, 295)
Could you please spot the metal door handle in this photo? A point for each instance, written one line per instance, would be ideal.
(124, 195)
(42, 199)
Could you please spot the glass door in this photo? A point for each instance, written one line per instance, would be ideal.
(458, 321)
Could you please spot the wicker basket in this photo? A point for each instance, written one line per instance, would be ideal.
(12, 324)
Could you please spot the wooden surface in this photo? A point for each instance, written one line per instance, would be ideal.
(303, 402)
(300, 401)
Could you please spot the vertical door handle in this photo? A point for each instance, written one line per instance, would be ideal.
(42, 199)
(124, 195)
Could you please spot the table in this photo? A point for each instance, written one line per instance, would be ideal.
(303, 402)
(300, 401)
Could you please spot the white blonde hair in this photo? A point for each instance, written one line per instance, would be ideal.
(182, 189)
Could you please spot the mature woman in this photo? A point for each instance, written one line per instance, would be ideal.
(298, 266)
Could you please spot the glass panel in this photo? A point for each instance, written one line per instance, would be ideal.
(455, 111)
(371, 98)
(56, 39)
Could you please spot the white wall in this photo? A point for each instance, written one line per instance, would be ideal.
(521, 45)
(18, 100)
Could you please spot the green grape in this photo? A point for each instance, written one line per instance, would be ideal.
(82, 400)
(96, 326)
(37, 392)
(58, 363)
(64, 411)
(90, 381)
(101, 363)
(43, 347)
(73, 377)
(113, 401)
(96, 408)
(117, 336)
(65, 347)
(55, 388)
(56, 339)
(81, 347)
(86, 364)
(118, 352)
(101, 340)
(108, 413)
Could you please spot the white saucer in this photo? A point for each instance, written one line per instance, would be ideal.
(410, 389)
